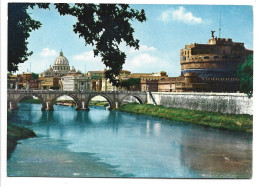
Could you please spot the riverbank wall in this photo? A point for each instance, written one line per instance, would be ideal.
(227, 103)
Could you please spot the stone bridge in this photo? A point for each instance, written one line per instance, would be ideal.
(81, 98)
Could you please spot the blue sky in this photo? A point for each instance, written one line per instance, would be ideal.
(167, 30)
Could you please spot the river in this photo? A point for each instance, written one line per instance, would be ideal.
(101, 143)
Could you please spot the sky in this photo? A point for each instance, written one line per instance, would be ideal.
(167, 30)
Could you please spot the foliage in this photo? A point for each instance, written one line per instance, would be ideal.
(245, 74)
(20, 24)
(98, 103)
(131, 83)
(35, 76)
(231, 122)
(103, 26)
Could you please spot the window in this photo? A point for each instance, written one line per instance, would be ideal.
(224, 57)
(206, 57)
(184, 58)
(215, 57)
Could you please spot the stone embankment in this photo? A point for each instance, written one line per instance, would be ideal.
(227, 103)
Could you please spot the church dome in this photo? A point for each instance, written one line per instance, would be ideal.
(61, 60)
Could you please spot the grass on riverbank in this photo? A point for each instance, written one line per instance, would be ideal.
(98, 103)
(243, 123)
(14, 134)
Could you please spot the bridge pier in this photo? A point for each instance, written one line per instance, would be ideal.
(78, 108)
(49, 106)
(84, 106)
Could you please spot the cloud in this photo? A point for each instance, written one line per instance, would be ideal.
(180, 14)
(143, 48)
(147, 63)
(46, 52)
(87, 61)
(87, 56)
(143, 59)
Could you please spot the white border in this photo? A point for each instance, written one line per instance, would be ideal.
(22, 181)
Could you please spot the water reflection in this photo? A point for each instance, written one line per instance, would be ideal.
(225, 154)
(137, 145)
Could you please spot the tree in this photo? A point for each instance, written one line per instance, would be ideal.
(245, 74)
(103, 26)
(131, 83)
(35, 76)
(20, 25)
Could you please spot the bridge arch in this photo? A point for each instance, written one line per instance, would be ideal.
(138, 98)
(16, 102)
(109, 100)
(75, 98)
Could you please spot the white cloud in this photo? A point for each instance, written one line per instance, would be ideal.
(46, 52)
(147, 63)
(87, 61)
(87, 56)
(143, 59)
(180, 14)
(143, 48)
(165, 16)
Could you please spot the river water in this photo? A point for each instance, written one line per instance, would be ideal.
(101, 143)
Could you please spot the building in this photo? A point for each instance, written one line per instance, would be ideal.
(148, 75)
(218, 58)
(20, 81)
(34, 84)
(76, 82)
(150, 81)
(167, 84)
(46, 83)
(211, 67)
(60, 68)
(108, 86)
(96, 79)
(13, 80)
(27, 76)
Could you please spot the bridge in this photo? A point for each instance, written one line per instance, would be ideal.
(81, 98)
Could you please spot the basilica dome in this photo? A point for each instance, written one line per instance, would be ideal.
(60, 68)
(61, 60)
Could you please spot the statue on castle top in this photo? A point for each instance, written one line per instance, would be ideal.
(212, 34)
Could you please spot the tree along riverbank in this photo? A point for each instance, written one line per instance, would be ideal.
(233, 122)
(14, 134)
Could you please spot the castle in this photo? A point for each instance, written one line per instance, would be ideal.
(207, 67)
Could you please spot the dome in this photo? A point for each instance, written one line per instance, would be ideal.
(61, 60)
